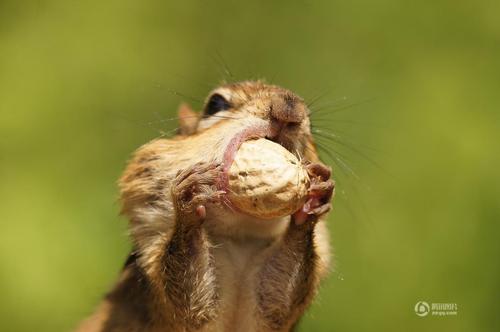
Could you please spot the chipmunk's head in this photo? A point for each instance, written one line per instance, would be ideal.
(232, 114)
(263, 110)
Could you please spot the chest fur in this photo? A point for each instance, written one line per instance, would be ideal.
(237, 265)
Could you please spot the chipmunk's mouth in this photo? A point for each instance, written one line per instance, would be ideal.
(234, 144)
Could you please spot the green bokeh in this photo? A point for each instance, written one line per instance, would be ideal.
(410, 88)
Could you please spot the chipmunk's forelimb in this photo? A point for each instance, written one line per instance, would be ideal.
(189, 275)
(290, 276)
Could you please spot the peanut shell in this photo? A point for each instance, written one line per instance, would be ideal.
(266, 180)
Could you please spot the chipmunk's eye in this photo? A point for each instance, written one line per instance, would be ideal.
(215, 104)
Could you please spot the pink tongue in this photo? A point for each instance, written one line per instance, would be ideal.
(233, 146)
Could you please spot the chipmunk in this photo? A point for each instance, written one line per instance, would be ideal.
(199, 265)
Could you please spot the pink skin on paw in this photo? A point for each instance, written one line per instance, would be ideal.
(301, 215)
(201, 211)
(315, 199)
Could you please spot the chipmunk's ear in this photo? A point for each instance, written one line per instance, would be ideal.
(188, 119)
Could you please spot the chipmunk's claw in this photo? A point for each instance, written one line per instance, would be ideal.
(194, 189)
(319, 195)
(319, 170)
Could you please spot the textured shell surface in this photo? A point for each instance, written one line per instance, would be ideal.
(266, 180)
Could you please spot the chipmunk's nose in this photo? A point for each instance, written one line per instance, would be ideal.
(287, 108)
(287, 112)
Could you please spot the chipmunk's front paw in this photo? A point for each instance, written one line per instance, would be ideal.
(194, 189)
(320, 194)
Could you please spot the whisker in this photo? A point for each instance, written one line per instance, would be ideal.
(229, 117)
(344, 167)
(331, 103)
(221, 62)
(333, 137)
(342, 193)
(357, 151)
(176, 129)
(168, 119)
(342, 108)
(335, 155)
(331, 121)
(317, 98)
(328, 143)
(194, 116)
(177, 93)
(168, 133)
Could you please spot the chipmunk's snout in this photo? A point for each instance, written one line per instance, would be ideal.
(287, 112)
(287, 108)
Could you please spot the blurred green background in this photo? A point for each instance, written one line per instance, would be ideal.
(410, 88)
